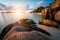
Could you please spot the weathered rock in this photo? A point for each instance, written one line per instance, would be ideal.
(7, 29)
(49, 23)
(26, 26)
(46, 13)
(55, 4)
(10, 26)
(32, 35)
(57, 17)
(51, 15)
(55, 10)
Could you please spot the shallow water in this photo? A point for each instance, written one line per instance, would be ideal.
(8, 18)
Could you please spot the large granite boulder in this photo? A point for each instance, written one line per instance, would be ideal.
(55, 4)
(8, 27)
(28, 25)
(19, 34)
(49, 23)
(57, 16)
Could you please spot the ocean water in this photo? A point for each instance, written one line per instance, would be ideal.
(8, 18)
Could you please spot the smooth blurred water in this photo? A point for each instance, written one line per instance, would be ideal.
(8, 18)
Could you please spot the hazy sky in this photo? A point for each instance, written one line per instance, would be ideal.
(21, 5)
(28, 3)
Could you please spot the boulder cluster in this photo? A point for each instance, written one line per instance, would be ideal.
(51, 15)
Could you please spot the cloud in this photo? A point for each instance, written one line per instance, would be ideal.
(39, 3)
(21, 6)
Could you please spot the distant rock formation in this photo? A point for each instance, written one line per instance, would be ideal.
(51, 14)
(55, 4)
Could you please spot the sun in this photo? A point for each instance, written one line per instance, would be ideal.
(19, 13)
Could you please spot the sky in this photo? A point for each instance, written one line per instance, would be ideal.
(28, 4)
(22, 6)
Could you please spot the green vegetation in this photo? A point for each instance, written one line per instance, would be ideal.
(38, 10)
